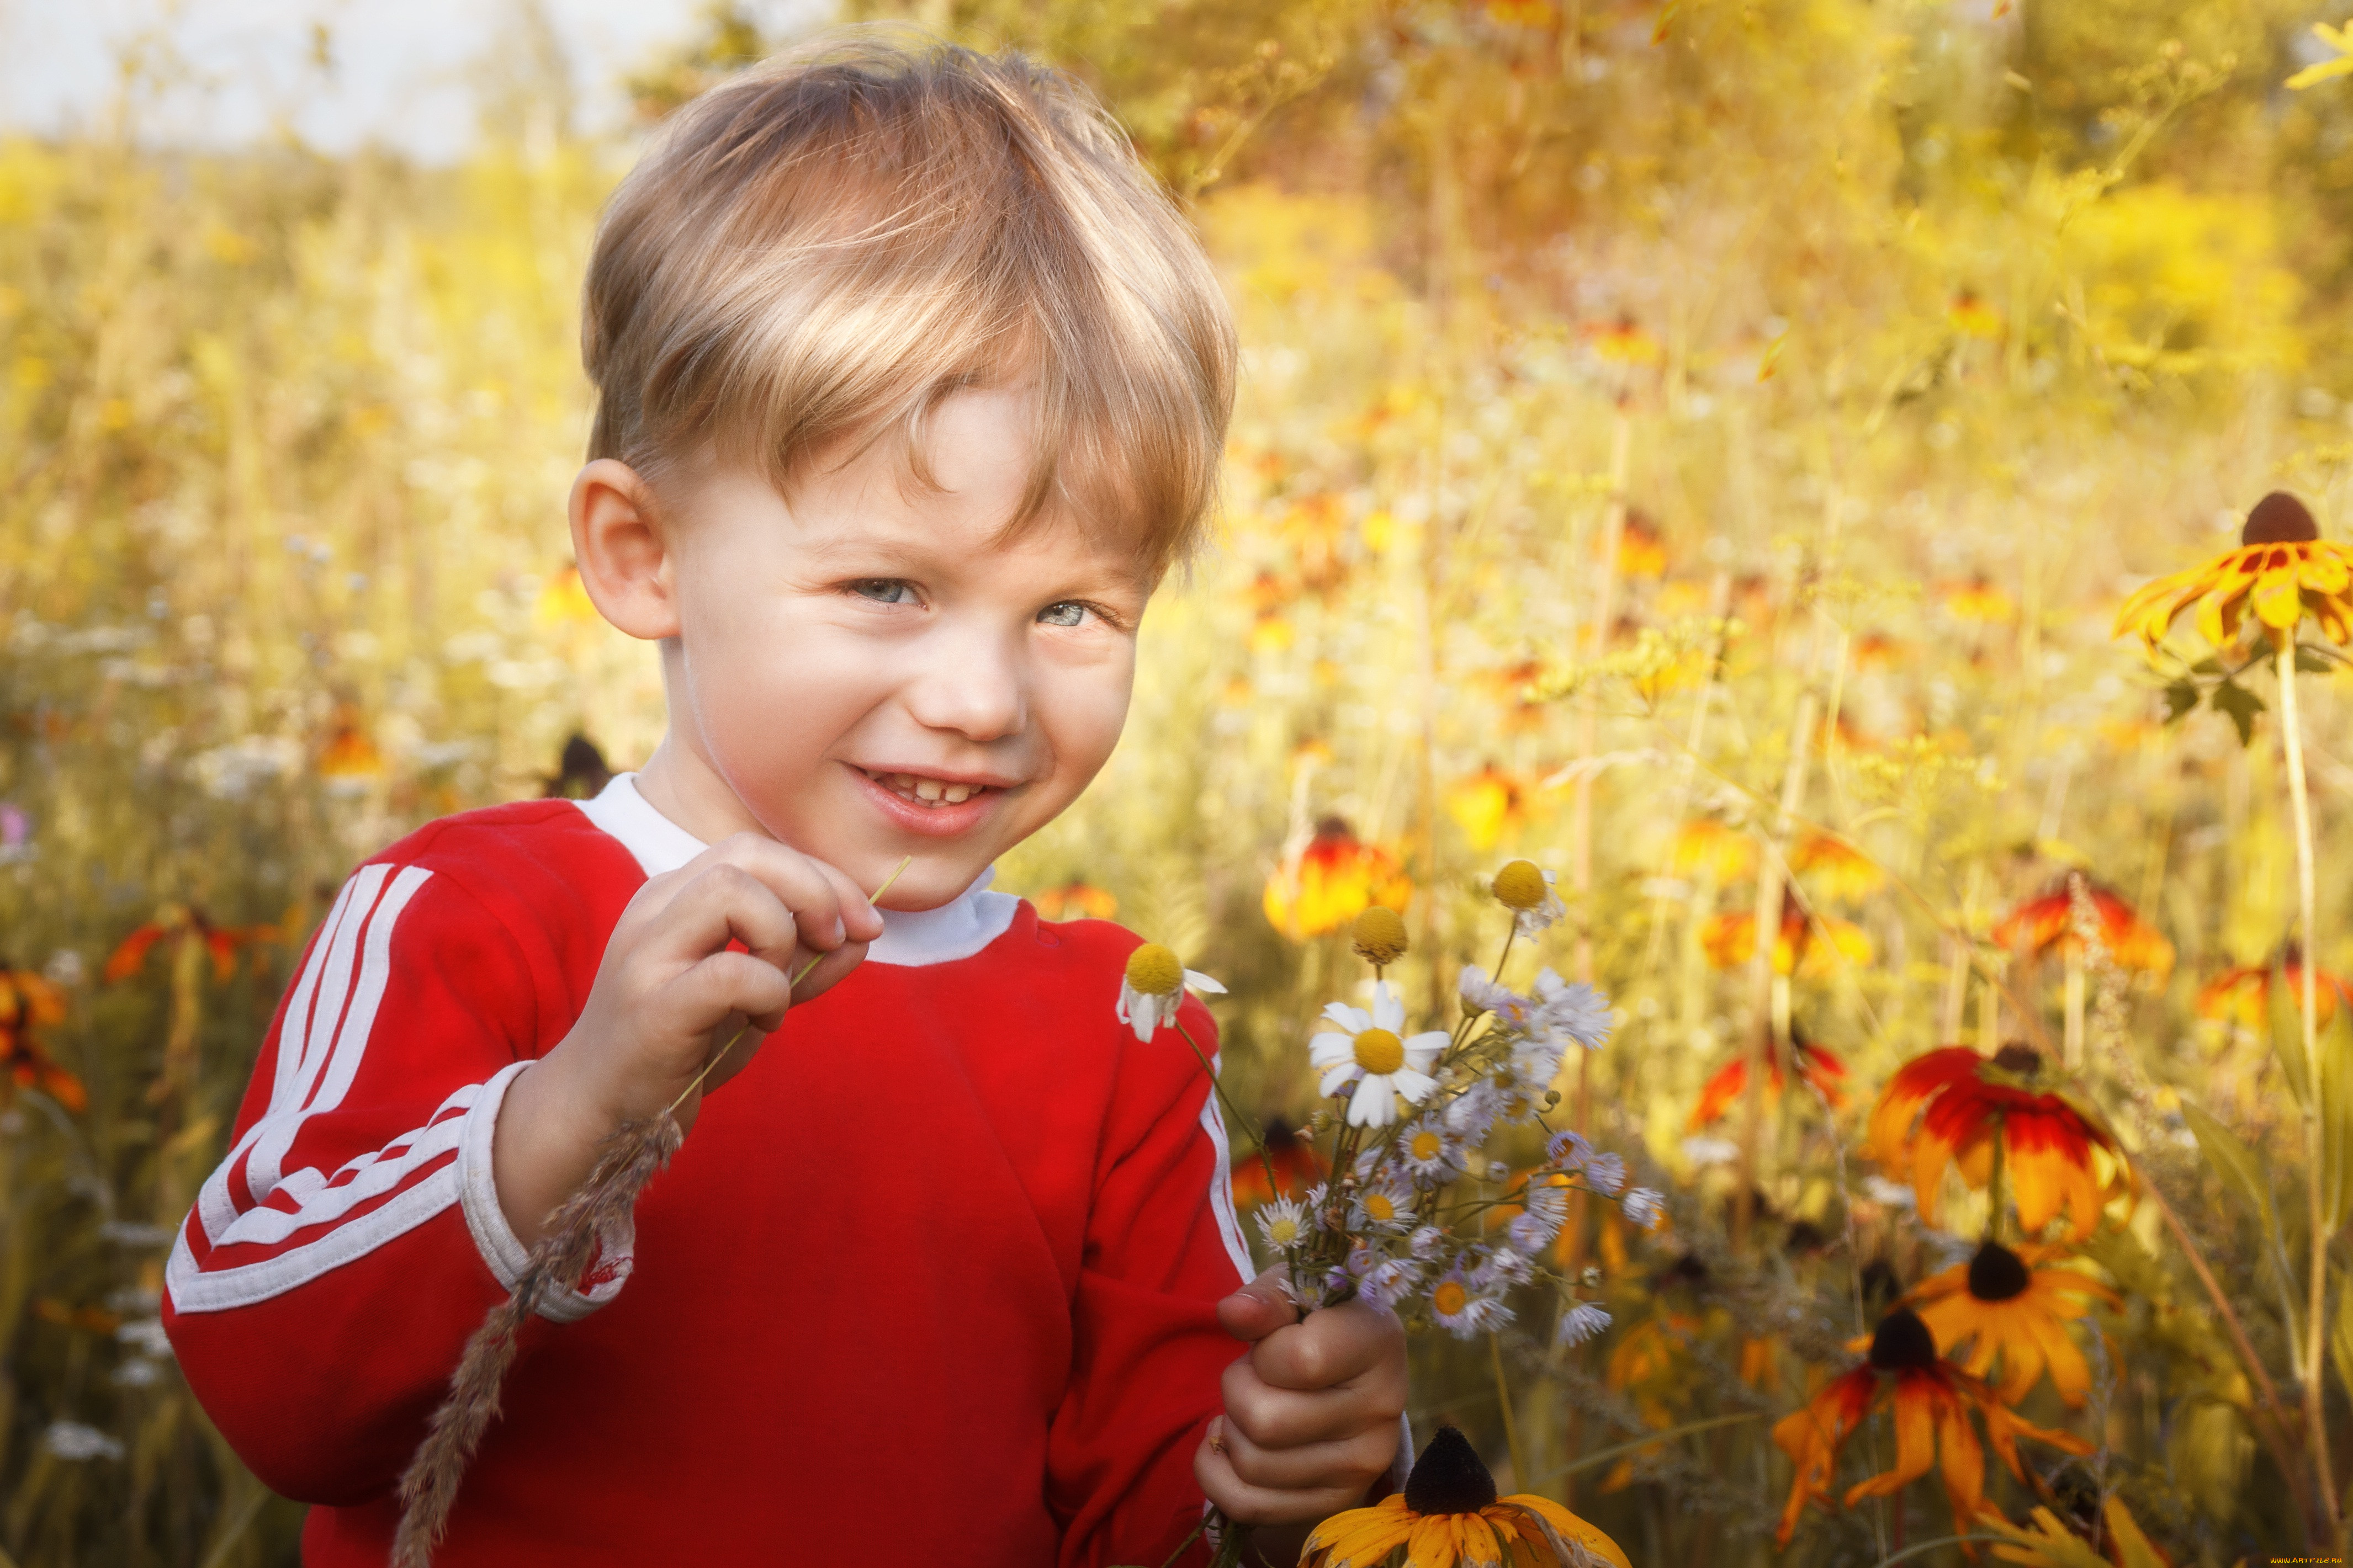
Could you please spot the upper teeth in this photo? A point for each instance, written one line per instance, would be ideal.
(931, 791)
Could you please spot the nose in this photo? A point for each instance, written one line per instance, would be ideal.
(970, 683)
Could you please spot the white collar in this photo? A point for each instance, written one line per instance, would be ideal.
(911, 938)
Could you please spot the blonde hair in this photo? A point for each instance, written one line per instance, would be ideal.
(817, 252)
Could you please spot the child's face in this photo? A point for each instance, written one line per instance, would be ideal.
(867, 672)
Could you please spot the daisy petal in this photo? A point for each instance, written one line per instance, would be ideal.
(1374, 1104)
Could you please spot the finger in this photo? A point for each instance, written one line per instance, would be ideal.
(828, 968)
(1333, 1348)
(722, 902)
(861, 921)
(1243, 1503)
(817, 895)
(1259, 1308)
(1275, 1417)
(728, 983)
(1350, 1464)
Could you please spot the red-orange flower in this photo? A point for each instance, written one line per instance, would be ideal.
(2282, 570)
(2005, 1306)
(1705, 847)
(2048, 922)
(1296, 1168)
(2242, 996)
(1949, 1105)
(27, 1002)
(1978, 599)
(1075, 901)
(129, 955)
(1485, 806)
(1835, 868)
(1642, 550)
(1931, 1401)
(1331, 881)
(1807, 946)
(1816, 1065)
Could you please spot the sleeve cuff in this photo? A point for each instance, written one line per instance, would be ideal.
(501, 1250)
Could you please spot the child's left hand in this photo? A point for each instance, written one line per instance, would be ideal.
(1311, 1419)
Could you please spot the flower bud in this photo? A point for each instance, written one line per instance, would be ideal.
(1519, 886)
(1380, 936)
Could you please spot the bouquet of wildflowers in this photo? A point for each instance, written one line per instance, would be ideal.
(1405, 1220)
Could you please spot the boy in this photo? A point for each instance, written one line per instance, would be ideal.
(911, 387)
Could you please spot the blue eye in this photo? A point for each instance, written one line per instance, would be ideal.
(882, 590)
(1069, 613)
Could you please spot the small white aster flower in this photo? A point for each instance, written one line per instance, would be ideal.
(1533, 1229)
(1472, 1112)
(1153, 987)
(1429, 1149)
(1572, 1010)
(1894, 1194)
(1579, 1322)
(1427, 1242)
(1367, 1050)
(1389, 1282)
(1568, 1150)
(1503, 1266)
(1462, 1309)
(1605, 1174)
(1384, 1207)
(1284, 1223)
(1644, 1207)
(1480, 993)
(1711, 1151)
(79, 1440)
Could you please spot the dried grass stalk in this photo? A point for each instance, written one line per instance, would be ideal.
(428, 1488)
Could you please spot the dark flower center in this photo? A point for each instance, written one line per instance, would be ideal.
(1996, 1274)
(1449, 1477)
(1902, 1343)
(2279, 519)
(2020, 1057)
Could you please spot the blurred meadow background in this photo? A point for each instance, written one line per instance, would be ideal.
(1700, 447)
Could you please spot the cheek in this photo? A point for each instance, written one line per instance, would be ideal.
(774, 693)
(1083, 710)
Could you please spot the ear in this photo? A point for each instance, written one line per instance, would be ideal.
(624, 549)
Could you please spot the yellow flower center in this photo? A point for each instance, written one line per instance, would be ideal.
(1519, 886)
(1282, 1232)
(1379, 1051)
(1449, 1297)
(1426, 1145)
(1154, 971)
(1379, 1207)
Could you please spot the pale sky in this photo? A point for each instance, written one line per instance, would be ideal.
(401, 70)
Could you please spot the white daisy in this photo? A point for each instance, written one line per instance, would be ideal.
(1574, 1009)
(1462, 1309)
(1644, 1207)
(1427, 1242)
(1579, 1322)
(1605, 1174)
(1367, 1050)
(1503, 1266)
(1384, 1207)
(1284, 1224)
(1389, 1282)
(1153, 987)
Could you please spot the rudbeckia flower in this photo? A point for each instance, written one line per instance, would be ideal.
(1291, 1157)
(1076, 901)
(1367, 1050)
(1449, 1517)
(1804, 946)
(1331, 881)
(2005, 1307)
(1960, 1102)
(2243, 995)
(2049, 1543)
(27, 1001)
(1816, 1066)
(1153, 988)
(2047, 924)
(1931, 1400)
(220, 942)
(1836, 869)
(2282, 570)
(1707, 848)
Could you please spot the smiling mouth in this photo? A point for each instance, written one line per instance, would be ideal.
(917, 790)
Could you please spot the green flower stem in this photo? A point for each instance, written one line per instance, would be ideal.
(2315, 1421)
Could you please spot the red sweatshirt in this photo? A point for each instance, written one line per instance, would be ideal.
(931, 1280)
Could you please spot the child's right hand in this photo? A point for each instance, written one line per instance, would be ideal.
(668, 993)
